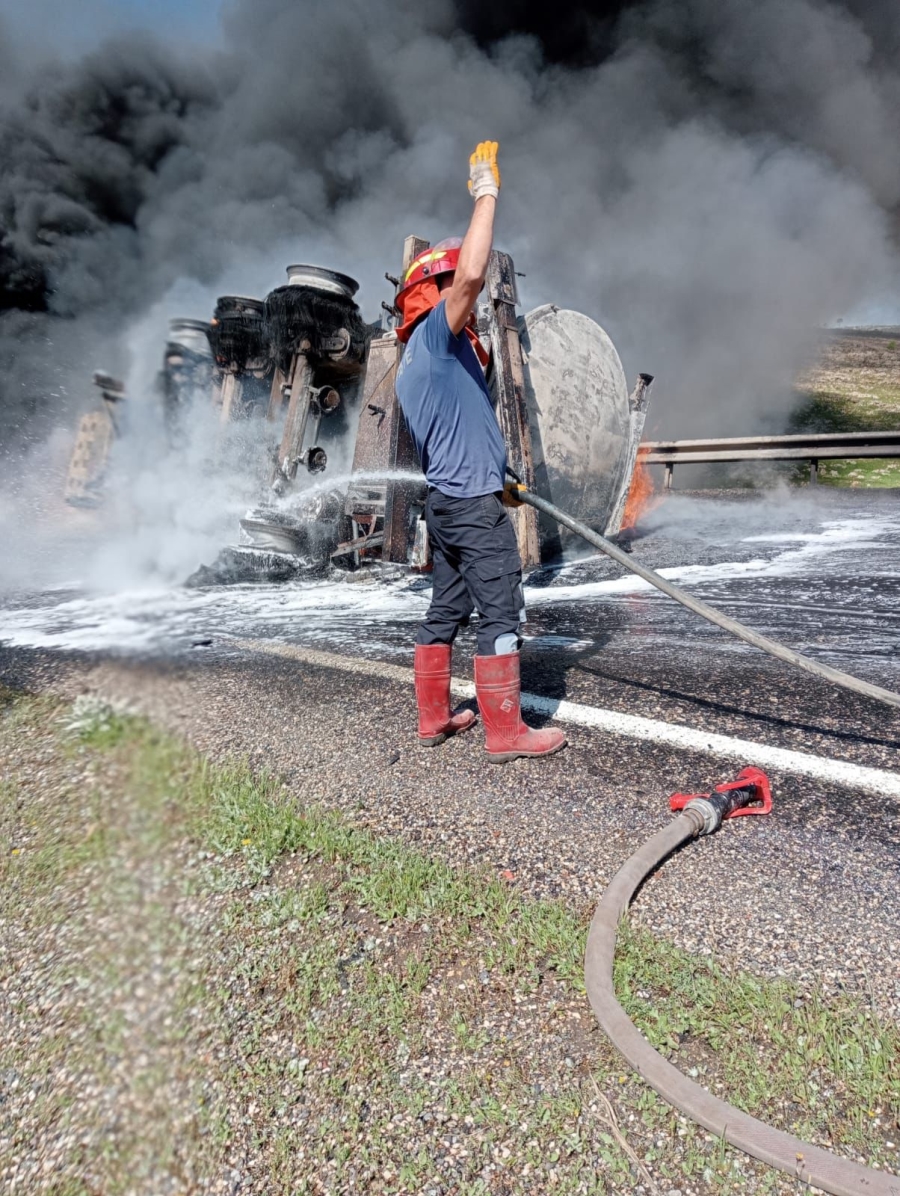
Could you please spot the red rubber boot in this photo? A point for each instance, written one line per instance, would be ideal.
(497, 686)
(436, 723)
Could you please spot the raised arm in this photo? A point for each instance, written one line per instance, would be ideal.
(475, 253)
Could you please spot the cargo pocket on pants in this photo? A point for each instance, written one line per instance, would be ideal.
(501, 575)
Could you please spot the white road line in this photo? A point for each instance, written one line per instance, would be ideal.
(632, 726)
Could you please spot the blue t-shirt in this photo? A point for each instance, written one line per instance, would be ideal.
(447, 407)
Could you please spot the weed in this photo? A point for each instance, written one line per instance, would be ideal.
(343, 1013)
(775, 1048)
(96, 722)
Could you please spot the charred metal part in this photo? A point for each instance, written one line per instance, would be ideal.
(412, 247)
(307, 529)
(230, 396)
(191, 335)
(295, 422)
(507, 380)
(579, 415)
(325, 400)
(246, 565)
(239, 341)
(638, 402)
(390, 317)
(266, 533)
(639, 399)
(365, 501)
(361, 544)
(383, 446)
(238, 335)
(319, 342)
(316, 307)
(111, 389)
(187, 366)
(97, 431)
(278, 395)
(336, 346)
(321, 279)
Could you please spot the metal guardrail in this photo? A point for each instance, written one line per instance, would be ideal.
(813, 447)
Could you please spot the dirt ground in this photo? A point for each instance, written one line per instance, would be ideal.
(858, 362)
(204, 996)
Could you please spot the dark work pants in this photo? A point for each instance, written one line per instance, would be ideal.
(476, 567)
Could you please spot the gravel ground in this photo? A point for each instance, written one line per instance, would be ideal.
(91, 976)
(815, 885)
(173, 1024)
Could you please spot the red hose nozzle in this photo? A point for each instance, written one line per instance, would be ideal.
(750, 786)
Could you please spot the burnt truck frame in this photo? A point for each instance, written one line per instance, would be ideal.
(304, 361)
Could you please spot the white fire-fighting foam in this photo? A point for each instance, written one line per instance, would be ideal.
(793, 579)
(838, 536)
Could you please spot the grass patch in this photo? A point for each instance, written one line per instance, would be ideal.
(791, 1057)
(830, 412)
(855, 387)
(877, 474)
(97, 723)
(224, 981)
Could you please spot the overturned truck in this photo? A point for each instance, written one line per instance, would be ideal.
(341, 484)
(571, 427)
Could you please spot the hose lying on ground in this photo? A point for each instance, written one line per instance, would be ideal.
(835, 676)
(810, 1164)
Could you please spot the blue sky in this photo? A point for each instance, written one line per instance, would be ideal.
(69, 27)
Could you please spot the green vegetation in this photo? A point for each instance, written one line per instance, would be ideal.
(814, 1062)
(208, 979)
(855, 387)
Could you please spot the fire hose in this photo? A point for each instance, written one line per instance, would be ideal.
(835, 676)
(701, 814)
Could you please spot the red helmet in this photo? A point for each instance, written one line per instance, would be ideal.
(440, 259)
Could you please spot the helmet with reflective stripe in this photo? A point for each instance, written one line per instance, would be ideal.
(440, 259)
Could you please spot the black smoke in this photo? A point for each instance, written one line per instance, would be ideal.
(709, 179)
(574, 35)
(84, 153)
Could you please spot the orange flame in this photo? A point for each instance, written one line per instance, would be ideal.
(641, 493)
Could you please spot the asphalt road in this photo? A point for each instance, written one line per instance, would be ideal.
(811, 891)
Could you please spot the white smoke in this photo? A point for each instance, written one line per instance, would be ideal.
(719, 181)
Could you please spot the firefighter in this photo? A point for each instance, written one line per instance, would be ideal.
(447, 407)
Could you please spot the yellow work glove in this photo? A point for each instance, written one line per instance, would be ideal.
(484, 173)
(511, 494)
